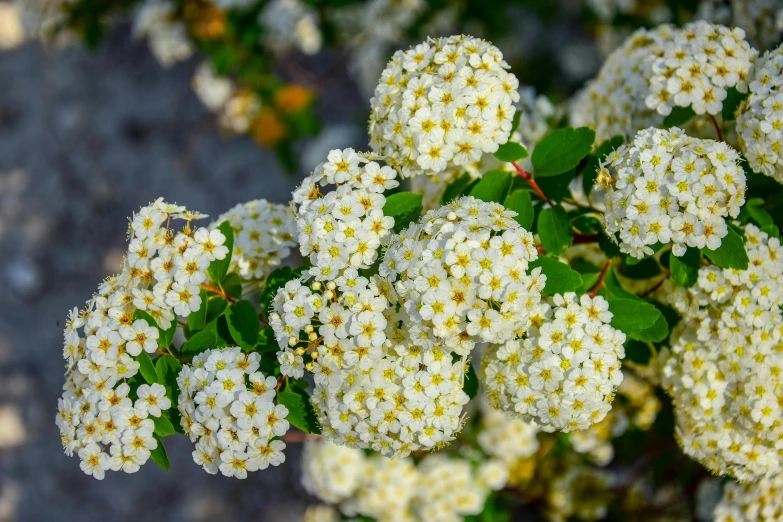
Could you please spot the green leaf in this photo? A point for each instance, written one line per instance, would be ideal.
(404, 207)
(266, 341)
(493, 186)
(608, 246)
(520, 202)
(276, 280)
(685, 269)
(163, 426)
(559, 276)
(637, 352)
(198, 319)
(471, 382)
(146, 368)
(216, 305)
(732, 102)
(168, 368)
(640, 268)
(159, 456)
(219, 267)
(511, 151)
(731, 252)
(591, 168)
(561, 151)
(554, 229)
(300, 411)
(557, 187)
(758, 214)
(772, 230)
(201, 341)
(457, 188)
(654, 334)
(243, 323)
(232, 285)
(678, 116)
(632, 315)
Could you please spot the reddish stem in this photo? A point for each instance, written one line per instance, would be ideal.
(532, 183)
(601, 278)
(218, 291)
(717, 127)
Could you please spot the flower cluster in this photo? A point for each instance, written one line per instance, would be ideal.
(723, 370)
(662, 68)
(442, 103)
(670, 188)
(106, 424)
(506, 438)
(461, 276)
(291, 24)
(436, 489)
(168, 37)
(761, 501)
(537, 113)
(760, 117)
(343, 228)
(227, 408)
(762, 20)
(263, 237)
(563, 375)
(236, 108)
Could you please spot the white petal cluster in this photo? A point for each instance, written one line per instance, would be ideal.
(724, 370)
(564, 374)
(442, 103)
(506, 438)
(343, 228)
(435, 489)
(168, 37)
(291, 25)
(761, 501)
(228, 409)
(235, 107)
(106, 424)
(263, 237)
(762, 20)
(537, 114)
(670, 188)
(372, 388)
(662, 68)
(461, 276)
(760, 117)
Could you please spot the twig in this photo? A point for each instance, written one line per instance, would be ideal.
(218, 291)
(532, 183)
(601, 278)
(654, 288)
(296, 437)
(717, 127)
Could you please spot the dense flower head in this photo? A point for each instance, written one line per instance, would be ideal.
(724, 367)
(435, 489)
(563, 375)
(536, 120)
(760, 117)
(461, 276)
(228, 409)
(760, 501)
(263, 237)
(667, 187)
(373, 389)
(659, 69)
(506, 438)
(442, 103)
(343, 228)
(101, 417)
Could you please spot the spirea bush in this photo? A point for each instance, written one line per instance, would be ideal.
(584, 329)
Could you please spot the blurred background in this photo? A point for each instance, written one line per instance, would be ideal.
(107, 105)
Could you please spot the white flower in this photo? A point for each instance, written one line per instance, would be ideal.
(94, 461)
(152, 398)
(227, 408)
(562, 376)
(437, 97)
(754, 502)
(668, 186)
(140, 336)
(760, 117)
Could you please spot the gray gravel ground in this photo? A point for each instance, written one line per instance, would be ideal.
(85, 139)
